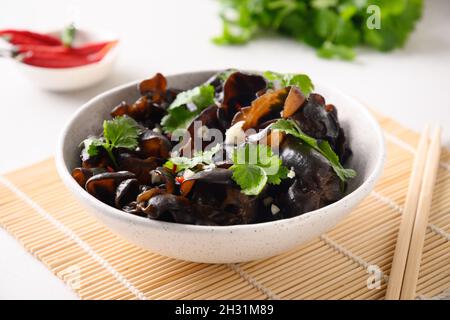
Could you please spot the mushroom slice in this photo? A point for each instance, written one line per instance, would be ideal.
(294, 101)
(315, 183)
(120, 110)
(103, 186)
(140, 167)
(216, 176)
(154, 144)
(133, 209)
(126, 192)
(264, 108)
(317, 120)
(320, 120)
(143, 197)
(207, 119)
(81, 175)
(217, 200)
(239, 90)
(155, 86)
(142, 110)
(169, 207)
(162, 175)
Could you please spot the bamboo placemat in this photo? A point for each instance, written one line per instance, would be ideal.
(352, 261)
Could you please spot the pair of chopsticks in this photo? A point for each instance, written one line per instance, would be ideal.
(408, 250)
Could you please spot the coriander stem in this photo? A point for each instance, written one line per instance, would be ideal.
(108, 149)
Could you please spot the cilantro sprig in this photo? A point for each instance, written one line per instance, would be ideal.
(254, 166)
(206, 157)
(186, 106)
(120, 132)
(291, 79)
(322, 146)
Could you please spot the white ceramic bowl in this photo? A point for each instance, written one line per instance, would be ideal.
(225, 244)
(69, 79)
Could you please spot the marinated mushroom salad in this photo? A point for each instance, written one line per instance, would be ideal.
(240, 148)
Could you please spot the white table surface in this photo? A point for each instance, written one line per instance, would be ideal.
(411, 85)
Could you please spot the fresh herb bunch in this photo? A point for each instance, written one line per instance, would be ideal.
(333, 27)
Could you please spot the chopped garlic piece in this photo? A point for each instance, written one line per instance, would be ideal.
(235, 135)
(291, 173)
(188, 173)
(274, 209)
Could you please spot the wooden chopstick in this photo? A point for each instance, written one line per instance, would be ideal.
(410, 278)
(407, 220)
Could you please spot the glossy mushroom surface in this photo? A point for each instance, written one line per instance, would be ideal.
(139, 180)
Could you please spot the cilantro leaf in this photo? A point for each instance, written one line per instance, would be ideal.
(323, 147)
(183, 163)
(186, 106)
(251, 178)
(282, 174)
(120, 132)
(201, 97)
(254, 166)
(302, 81)
(178, 118)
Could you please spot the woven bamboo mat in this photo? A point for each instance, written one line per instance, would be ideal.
(352, 261)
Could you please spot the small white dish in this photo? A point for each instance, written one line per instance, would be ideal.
(69, 79)
(225, 244)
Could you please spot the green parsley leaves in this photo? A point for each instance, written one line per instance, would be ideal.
(333, 27)
(323, 147)
(187, 105)
(290, 79)
(254, 166)
(120, 132)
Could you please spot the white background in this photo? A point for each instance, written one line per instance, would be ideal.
(411, 85)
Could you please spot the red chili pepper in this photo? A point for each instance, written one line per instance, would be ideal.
(85, 49)
(94, 47)
(29, 37)
(180, 179)
(38, 48)
(65, 59)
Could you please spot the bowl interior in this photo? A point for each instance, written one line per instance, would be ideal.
(361, 130)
